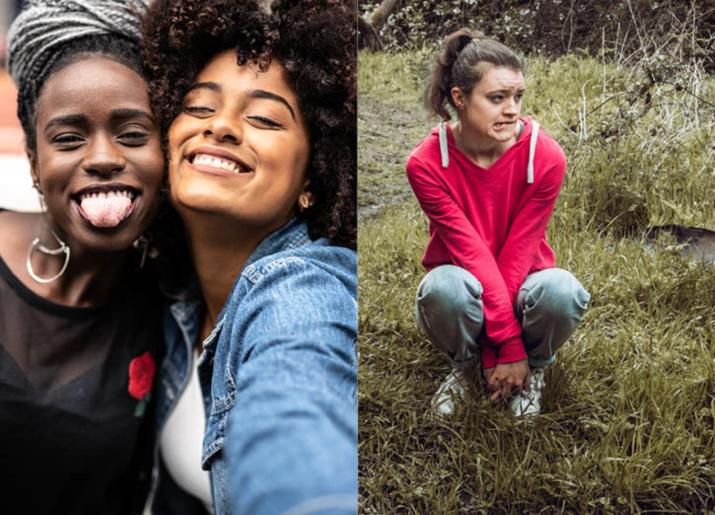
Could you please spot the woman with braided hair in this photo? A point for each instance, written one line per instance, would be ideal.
(488, 184)
(259, 109)
(79, 327)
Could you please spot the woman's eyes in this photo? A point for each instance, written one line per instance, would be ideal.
(260, 121)
(198, 110)
(264, 122)
(129, 138)
(500, 98)
(67, 140)
(134, 137)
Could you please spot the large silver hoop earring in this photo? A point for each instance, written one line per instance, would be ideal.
(62, 249)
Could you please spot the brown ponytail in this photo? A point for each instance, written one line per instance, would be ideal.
(458, 65)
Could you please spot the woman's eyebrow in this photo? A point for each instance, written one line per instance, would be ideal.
(506, 90)
(128, 113)
(211, 86)
(262, 93)
(81, 120)
(66, 119)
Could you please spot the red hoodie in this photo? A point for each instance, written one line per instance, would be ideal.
(490, 221)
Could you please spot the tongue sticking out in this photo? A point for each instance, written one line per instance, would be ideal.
(106, 210)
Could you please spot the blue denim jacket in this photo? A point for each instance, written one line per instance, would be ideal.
(279, 379)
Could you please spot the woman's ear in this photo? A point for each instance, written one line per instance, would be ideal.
(305, 199)
(457, 97)
(32, 158)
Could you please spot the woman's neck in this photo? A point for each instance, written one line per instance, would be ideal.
(483, 151)
(219, 252)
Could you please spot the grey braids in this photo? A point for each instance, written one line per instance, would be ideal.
(45, 25)
(48, 34)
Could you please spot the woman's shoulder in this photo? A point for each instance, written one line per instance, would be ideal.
(18, 230)
(548, 150)
(12, 221)
(425, 152)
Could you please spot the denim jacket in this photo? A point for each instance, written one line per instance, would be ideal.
(279, 379)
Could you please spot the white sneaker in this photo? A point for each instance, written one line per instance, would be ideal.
(528, 400)
(454, 387)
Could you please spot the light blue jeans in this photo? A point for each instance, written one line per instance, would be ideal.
(549, 306)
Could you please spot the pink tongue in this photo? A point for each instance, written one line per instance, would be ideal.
(106, 211)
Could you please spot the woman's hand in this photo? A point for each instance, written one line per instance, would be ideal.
(505, 378)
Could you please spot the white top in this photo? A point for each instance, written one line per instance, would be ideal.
(16, 191)
(181, 441)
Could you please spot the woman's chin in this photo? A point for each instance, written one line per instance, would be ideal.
(101, 238)
(502, 136)
(193, 204)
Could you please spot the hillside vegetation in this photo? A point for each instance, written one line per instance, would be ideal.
(629, 408)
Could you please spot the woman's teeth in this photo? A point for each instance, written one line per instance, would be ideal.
(106, 194)
(217, 162)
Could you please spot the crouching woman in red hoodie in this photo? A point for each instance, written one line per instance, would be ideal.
(488, 184)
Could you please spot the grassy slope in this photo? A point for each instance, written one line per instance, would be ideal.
(630, 403)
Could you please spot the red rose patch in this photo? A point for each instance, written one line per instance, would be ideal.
(141, 378)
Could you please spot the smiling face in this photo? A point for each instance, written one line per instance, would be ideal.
(493, 106)
(239, 148)
(98, 162)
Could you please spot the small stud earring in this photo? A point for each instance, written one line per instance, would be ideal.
(304, 201)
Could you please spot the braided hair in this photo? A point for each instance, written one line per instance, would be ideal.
(49, 35)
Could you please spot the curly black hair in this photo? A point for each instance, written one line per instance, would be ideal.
(316, 42)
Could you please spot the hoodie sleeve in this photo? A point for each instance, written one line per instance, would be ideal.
(468, 250)
(528, 228)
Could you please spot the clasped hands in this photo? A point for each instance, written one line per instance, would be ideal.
(506, 377)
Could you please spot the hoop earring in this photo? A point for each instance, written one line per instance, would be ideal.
(62, 249)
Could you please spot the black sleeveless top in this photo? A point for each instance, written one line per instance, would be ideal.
(71, 440)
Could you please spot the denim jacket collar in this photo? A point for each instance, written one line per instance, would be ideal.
(185, 306)
(292, 235)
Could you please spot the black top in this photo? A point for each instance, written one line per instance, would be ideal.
(70, 442)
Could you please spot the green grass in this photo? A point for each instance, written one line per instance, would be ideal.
(629, 409)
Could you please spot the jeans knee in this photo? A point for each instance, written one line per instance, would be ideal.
(450, 290)
(559, 297)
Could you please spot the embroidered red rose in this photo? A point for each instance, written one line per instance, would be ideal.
(141, 376)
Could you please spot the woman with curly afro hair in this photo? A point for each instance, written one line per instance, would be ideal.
(258, 106)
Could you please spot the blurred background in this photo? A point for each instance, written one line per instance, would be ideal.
(16, 190)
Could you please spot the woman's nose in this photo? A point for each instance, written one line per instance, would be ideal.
(103, 157)
(223, 128)
(511, 106)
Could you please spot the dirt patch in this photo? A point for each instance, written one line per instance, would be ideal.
(387, 134)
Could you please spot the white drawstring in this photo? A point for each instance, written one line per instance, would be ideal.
(444, 151)
(532, 151)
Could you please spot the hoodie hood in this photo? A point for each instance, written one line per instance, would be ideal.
(444, 147)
